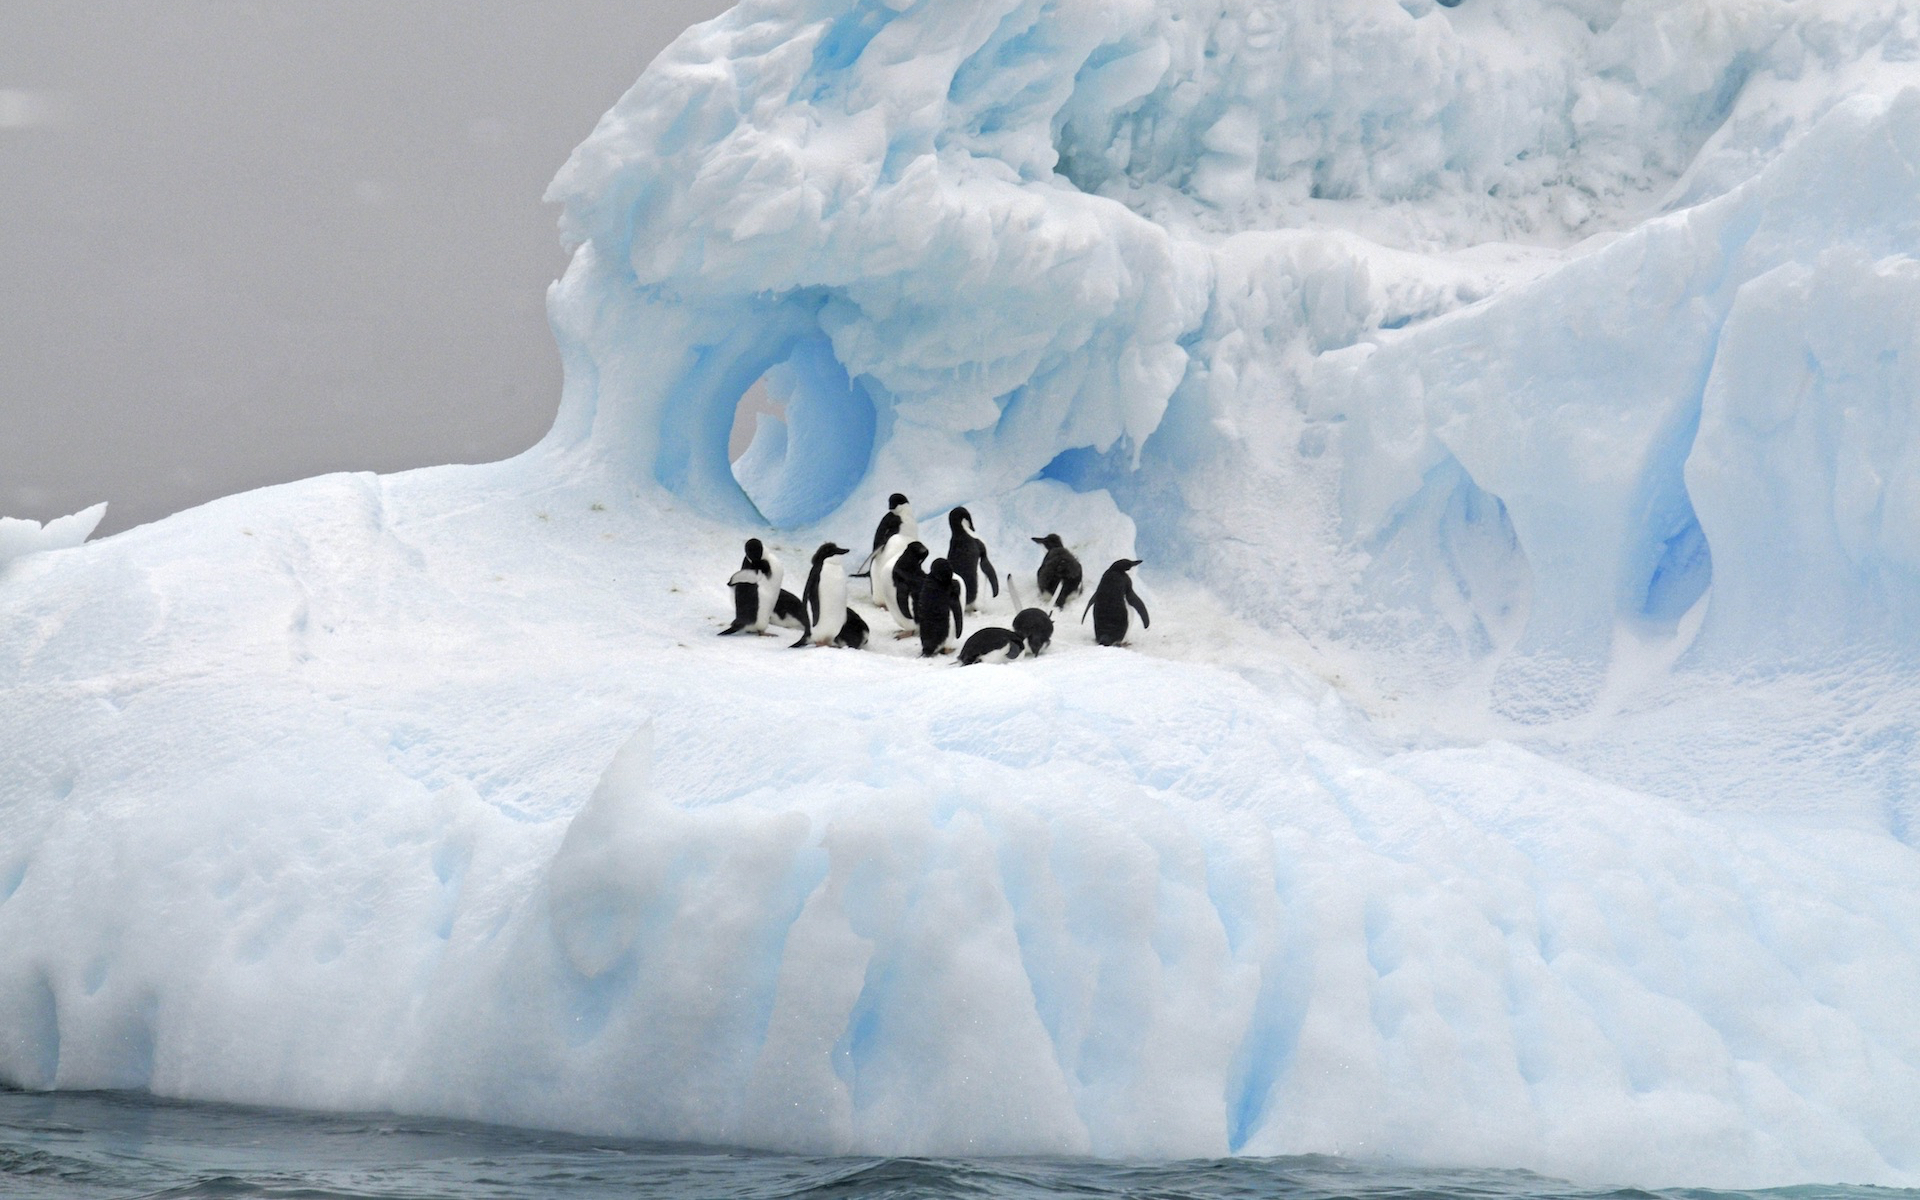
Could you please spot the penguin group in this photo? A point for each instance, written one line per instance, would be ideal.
(926, 599)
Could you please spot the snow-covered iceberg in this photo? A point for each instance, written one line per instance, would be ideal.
(1515, 403)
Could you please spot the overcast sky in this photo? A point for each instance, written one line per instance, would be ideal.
(246, 242)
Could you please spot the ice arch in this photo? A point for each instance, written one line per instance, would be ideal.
(800, 466)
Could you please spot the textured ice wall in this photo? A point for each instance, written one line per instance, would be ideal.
(1576, 402)
(990, 243)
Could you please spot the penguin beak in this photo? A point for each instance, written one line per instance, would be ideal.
(1040, 541)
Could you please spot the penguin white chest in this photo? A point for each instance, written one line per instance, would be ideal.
(770, 590)
(833, 602)
(883, 563)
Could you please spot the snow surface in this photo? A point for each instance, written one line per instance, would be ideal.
(1514, 405)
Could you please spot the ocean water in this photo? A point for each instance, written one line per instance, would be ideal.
(117, 1144)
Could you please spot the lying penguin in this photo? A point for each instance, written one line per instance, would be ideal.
(1032, 631)
(1110, 601)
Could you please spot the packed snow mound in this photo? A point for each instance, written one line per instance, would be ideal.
(20, 536)
(1513, 402)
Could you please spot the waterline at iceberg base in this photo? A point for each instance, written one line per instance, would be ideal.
(1515, 406)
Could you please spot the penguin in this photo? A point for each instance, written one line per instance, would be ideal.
(770, 588)
(1109, 604)
(938, 609)
(880, 569)
(825, 598)
(991, 645)
(754, 585)
(967, 554)
(1059, 576)
(1036, 627)
(909, 572)
(789, 612)
(853, 634)
(899, 519)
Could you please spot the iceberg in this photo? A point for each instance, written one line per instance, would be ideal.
(1513, 402)
(20, 536)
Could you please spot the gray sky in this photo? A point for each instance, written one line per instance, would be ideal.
(246, 242)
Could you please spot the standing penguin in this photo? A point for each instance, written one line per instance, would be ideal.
(756, 590)
(826, 599)
(1109, 604)
(909, 572)
(1059, 575)
(938, 609)
(967, 555)
(899, 519)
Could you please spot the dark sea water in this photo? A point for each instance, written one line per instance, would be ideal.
(114, 1144)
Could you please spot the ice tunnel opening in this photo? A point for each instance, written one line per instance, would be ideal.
(802, 436)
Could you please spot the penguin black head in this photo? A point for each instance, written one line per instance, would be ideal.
(754, 548)
(896, 500)
(914, 554)
(1125, 564)
(958, 517)
(1051, 541)
(941, 571)
(826, 551)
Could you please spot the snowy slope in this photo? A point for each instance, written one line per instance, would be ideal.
(1512, 403)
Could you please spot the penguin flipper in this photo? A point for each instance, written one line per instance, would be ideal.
(993, 577)
(1146, 622)
(1086, 610)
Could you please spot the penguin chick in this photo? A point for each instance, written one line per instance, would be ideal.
(967, 554)
(1059, 575)
(938, 609)
(1110, 601)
